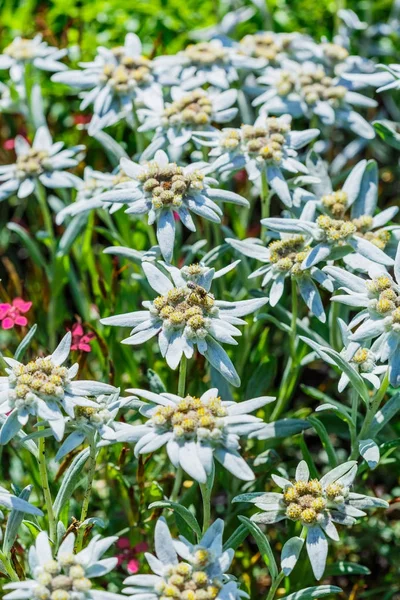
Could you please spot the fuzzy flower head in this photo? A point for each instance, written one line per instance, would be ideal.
(111, 82)
(185, 571)
(379, 320)
(22, 51)
(66, 576)
(186, 315)
(161, 189)
(208, 62)
(196, 430)
(307, 89)
(42, 162)
(42, 388)
(13, 314)
(94, 422)
(176, 122)
(283, 259)
(316, 505)
(269, 146)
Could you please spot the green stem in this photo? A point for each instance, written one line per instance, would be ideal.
(46, 488)
(9, 569)
(293, 324)
(371, 412)
(265, 196)
(275, 586)
(177, 484)
(182, 376)
(88, 492)
(353, 428)
(206, 495)
(47, 218)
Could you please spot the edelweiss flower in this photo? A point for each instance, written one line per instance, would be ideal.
(306, 90)
(380, 319)
(267, 147)
(112, 81)
(283, 258)
(335, 233)
(270, 46)
(201, 573)
(43, 161)
(316, 504)
(14, 503)
(94, 421)
(89, 189)
(68, 576)
(176, 122)
(355, 202)
(22, 51)
(186, 314)
(161, 188)
(41, 388)
(196, 430)
(207, 62)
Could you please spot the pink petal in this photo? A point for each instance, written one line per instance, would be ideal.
(7, 323)
(77, 329)
(141, 547)
(133, 566)
(4, 308)
(74, 347)
(123, 543)
(88, 337)
(22, 305)
(21, 321)
(84, 347)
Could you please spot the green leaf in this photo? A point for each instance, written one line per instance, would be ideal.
(389, 135)
(182, 512)
(355, 379)
(313, 592)
(30, 244)
(70, 481)
(20, 351)
(325, 440)
(263, 545)
(14, 521)
(385, 414)
(346, 568)
(237, 538)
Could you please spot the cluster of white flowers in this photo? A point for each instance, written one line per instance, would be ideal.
(215, 108)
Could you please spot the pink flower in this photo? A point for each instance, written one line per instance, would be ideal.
(11, 314)
(127, 554)
(80, 340)
(132, 566)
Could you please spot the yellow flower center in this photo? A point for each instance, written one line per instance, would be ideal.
(195, 108)
(192, 418)
(305, 501)
(167, 185)
(38, 378)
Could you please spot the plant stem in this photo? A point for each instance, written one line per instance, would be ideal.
(354, 414)
(46, 488)
(206, 495)
(88, 492)
(47, 218)
(275, 585)
(177, 484)
(293, 324)
(265, 196)
(371, 412)
(182, 376)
